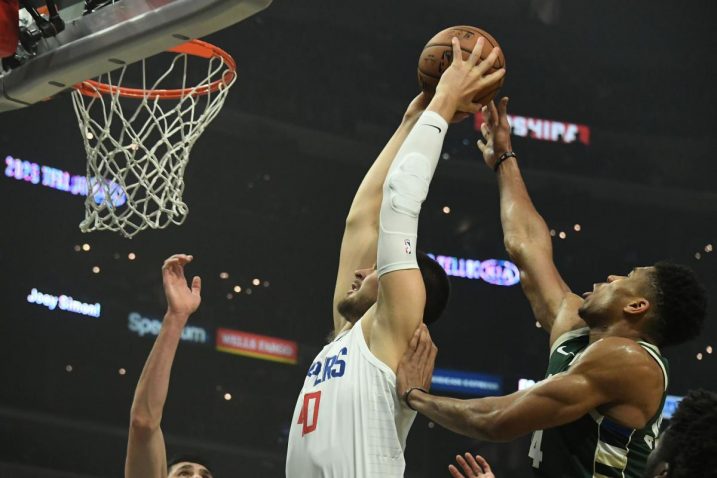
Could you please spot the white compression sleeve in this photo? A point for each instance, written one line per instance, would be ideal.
(404, 190)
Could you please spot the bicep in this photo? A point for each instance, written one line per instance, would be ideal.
(560, 399)
(399, 310)
(554, 305)
(543, 286)
(146, 454)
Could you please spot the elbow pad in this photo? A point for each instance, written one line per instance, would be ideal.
(404, 191)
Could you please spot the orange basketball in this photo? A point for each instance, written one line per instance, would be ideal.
(437, 55)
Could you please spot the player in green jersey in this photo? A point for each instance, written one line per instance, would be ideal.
(685, 450)
(597, 412)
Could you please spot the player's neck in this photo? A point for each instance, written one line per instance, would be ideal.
(335, 333)
(618, 329)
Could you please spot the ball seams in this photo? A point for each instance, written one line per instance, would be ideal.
(435, 57)
(498, 62)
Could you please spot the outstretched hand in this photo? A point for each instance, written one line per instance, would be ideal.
(465, 80)
(181, 299)
(416, 367)
(476, 467)
(496, 132)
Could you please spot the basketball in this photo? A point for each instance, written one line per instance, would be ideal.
(437, 55)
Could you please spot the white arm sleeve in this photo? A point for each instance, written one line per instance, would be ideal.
(404, 190)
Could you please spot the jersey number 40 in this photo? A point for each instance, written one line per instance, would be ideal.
(309, 412)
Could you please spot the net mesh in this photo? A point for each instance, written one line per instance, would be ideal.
(138, 148)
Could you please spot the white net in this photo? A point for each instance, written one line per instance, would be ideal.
(138, 148)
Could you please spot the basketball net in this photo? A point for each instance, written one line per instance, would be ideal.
(138, 140)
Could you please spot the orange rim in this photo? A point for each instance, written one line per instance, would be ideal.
(196, 48)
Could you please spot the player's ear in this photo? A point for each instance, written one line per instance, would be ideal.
(637, 306)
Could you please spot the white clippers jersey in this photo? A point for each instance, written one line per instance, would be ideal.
(348, 421)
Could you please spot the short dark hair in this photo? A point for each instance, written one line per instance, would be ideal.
(189, 458)
(681, 304)
(693, 431)
(438, 287)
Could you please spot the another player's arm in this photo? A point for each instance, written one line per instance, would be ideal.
(525, 233)
(402, 294)
(596, 379)
(358, 246)
(146, 453)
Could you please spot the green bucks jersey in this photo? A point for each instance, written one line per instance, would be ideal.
(594, 446)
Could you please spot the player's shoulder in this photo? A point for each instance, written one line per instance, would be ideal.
(619, 357)
(616, 346)
(622, 370)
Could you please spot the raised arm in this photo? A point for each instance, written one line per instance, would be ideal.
(146, 454)
(402, 293)
(358, 246)
(525, 233)
(596, 379)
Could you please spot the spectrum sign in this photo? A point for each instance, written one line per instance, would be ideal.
(257, 346)
(467, 383)
(544, 129)
(492, 271)
(60, 180)
(63, 302)
(147, 326)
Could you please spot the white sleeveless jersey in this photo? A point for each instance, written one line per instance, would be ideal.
(348, 421)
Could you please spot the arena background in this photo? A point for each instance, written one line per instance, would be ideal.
(322, 85)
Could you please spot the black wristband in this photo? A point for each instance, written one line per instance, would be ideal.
(503, 157)
(407, 394)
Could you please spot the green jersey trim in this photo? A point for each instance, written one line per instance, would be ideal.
(569, 335)
(657, 356)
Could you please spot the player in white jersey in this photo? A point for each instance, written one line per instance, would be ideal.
(348, 421)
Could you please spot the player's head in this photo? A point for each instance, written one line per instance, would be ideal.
(665, 301)
(188, 466)
(364, 291)
(363, 294)
(687, 447)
